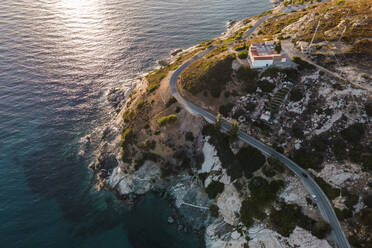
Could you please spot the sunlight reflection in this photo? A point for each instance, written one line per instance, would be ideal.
(77, 4)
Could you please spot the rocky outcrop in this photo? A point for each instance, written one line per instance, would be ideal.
(220, 234)
(140, 182)
(229, 203)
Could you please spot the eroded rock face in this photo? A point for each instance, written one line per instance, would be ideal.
(139, 182)
(116, 98)
(220, 234)
(191, 201)
(229, 204)
(263, 237)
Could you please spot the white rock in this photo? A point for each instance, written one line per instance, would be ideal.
(139, 182)
(229, 204)
(211, 160)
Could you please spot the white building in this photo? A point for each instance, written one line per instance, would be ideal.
(266, 116)
(264, 55)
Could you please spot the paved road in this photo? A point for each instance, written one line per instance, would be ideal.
(311, 186)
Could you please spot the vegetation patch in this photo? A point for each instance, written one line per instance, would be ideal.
(140, 104)
(240, 46)
(207, 73)
(154, 78)
(285, 220)
(214, 188)
(251, 160)
(171, 101)
(227, 157)
(129, 115)
(262, 195)
(276, 24)
(249, 78)
(330, 191)
(213, 209)
(302, 65)
(225, 109)
(127, 138)
(167, 120)
(353, 133)
(363, 46)
(243, 55)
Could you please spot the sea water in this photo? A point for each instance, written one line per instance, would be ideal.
(58, 58)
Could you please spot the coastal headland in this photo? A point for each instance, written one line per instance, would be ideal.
(187, 131)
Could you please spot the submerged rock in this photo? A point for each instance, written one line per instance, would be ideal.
(170, 220)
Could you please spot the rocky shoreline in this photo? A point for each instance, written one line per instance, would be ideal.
(131, 187)
(168, 161)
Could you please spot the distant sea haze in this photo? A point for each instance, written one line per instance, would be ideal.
(58, 58)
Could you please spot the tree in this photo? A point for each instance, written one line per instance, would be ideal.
(368, 108)
(278, 47)
(251, 160)
(218, 121)
(214, 210)
(233, 132)
(214, 188)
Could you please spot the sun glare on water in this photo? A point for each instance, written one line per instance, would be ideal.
(76, 4)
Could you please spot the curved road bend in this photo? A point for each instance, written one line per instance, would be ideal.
(311, 186)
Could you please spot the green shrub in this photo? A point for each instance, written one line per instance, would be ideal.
(302, 65)
(127, 136)
(353, 133)
(152, 87)
(249, 78)
(189, 136)
(368, 108)
(224, 152)
(225, 110)
(243, 55)
(214, 210)
(167, 120)
(307, 158)
(276, 164)
(207, 74)
(140, 104)
(147, 145)
(268, 170)
(351, 199)
(129, 115)
(266, 86)
(331, 192)
(214, 188)
(171, 101)
(262, 195)
(343, 214)
(233, 132)
(203, 176)
(278, 47)
(240, 46)
(296, 95)
(289, 216)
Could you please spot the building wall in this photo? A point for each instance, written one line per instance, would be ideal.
(261, 63)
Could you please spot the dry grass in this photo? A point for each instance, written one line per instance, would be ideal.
(356, 16)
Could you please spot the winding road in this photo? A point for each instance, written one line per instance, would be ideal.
(311, 186)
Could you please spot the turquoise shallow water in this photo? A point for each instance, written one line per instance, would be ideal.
(57, 59)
